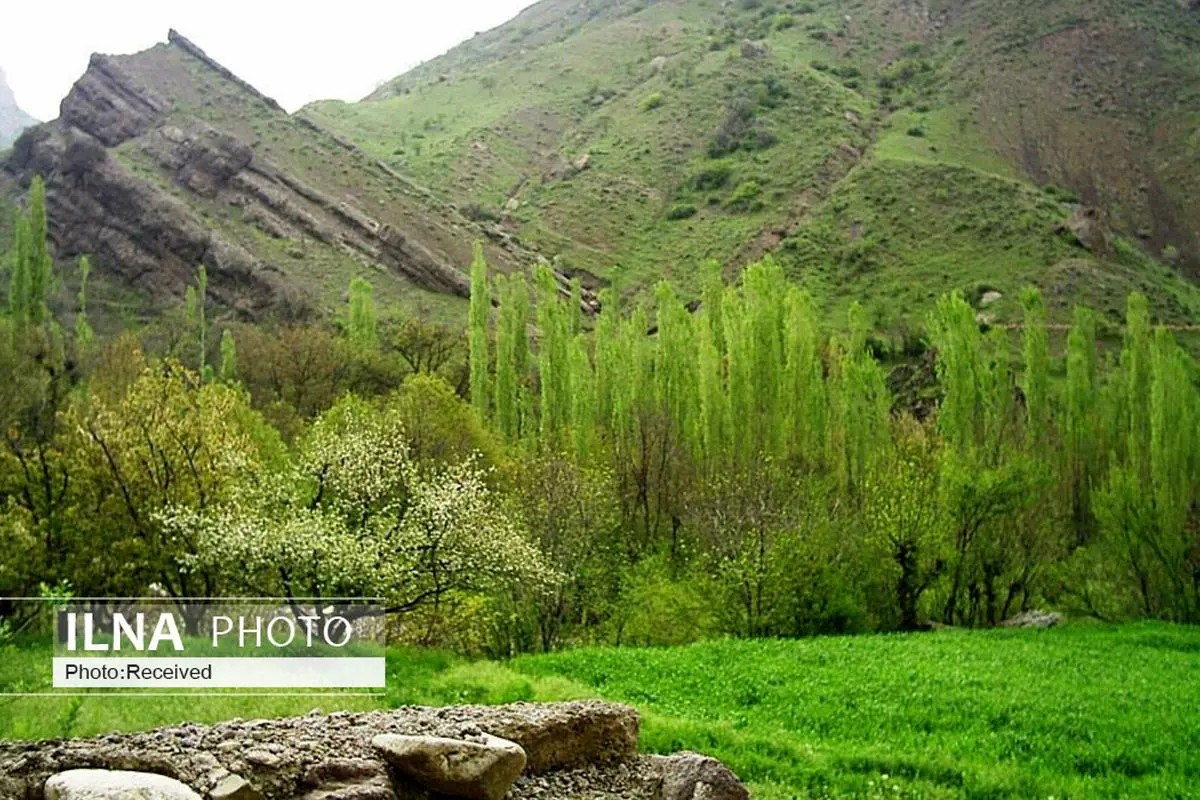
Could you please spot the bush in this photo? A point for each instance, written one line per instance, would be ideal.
(781, 22)
(652, 101)
(681, 211)
(916, 131)
(745, 197)
(761, 140)
(714, 176)
(478, 213)
(738, 123)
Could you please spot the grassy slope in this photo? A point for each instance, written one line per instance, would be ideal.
(1079, 712)
(892, 120)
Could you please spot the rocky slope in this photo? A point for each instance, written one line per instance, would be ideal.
(886, 151)
(12, 119)
(567, 750)
(164, 160)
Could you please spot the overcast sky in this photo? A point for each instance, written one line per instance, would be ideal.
(338, 49)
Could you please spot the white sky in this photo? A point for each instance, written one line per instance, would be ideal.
(295, 51)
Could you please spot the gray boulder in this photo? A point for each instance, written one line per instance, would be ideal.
(691, 776)
(103, 784)
(483, 768)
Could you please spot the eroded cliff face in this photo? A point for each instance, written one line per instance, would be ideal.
(164, 160)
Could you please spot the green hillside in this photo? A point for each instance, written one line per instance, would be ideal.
(886, 151)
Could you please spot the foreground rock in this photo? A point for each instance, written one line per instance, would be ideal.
(99, 784)
(691, 776)
(480, 768)
(561, 750)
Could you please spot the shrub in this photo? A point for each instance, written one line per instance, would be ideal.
(781, 22)
(478, 213)
(652, 101)
(681, 211)
(745, 197)
(714, 176)
(761, 140)
(916, 131)
(738, 122)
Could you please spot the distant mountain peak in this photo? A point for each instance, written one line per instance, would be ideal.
(12, 119)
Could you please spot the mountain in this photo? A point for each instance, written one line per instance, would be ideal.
(12, 119)
(885, 151)
(163, 161)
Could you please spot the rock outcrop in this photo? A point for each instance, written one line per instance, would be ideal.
(165, 160)
(586, 748)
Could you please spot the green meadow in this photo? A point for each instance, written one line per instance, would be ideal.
(1086, 711)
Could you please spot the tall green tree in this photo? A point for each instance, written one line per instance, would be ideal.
(84, 335)
(477, 331)
(362, 323)
(1080, 450)
(1036, 382)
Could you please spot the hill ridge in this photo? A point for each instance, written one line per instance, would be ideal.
(164, 159)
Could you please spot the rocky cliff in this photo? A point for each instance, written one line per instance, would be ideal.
(164, 160)
(12, 119)
(580, 749)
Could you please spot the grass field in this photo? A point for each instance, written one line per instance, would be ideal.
(1081, 712)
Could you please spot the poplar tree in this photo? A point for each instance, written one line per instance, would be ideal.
(84, 334)
(31, 274)
(955, 335)
(18, 290)
(478, 335)
(202, 315)
(507, 403)
(803, 384)
(1080, 451)
(1135, 369)
(576, 307)
(553, 361)
(583, 397)
(713, 395)
(228, 356)
(606, 349)
(740, 357)
(1036, 379)
(675, 363)
(764, 289)
(712, 295)
(40, 263)
(194, 302)
(362, 325)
